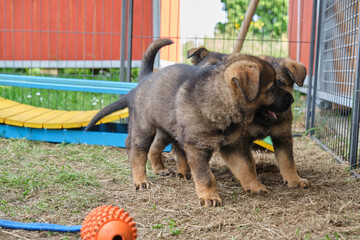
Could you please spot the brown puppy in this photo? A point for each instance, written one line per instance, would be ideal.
(278, 127)
(201, 110)
(288, 72)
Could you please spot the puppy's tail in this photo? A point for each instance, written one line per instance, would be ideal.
(113, 107)
(147, 65)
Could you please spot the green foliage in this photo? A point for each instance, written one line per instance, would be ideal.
(170, 226)
(270, 17)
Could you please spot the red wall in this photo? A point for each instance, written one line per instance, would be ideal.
(70, 30)
(305, 30)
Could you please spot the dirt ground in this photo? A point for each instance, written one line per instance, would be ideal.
(329, 209)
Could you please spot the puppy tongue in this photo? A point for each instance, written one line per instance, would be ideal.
(272, 114)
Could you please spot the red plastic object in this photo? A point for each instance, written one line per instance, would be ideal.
(108, 223)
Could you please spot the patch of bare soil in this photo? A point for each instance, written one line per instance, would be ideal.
(329, 209)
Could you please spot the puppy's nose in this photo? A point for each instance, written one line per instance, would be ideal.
(291, 99)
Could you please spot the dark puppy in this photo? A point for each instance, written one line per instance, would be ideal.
(277, 126)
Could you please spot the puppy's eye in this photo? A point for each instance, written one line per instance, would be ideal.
(280, 83)
(272, 89)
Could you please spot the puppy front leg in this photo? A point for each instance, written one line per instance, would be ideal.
(242, 164)
(283, 147)
(204, 179)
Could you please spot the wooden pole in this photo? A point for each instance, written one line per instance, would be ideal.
(245, 25)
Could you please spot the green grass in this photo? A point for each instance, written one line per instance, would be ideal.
(61, 183)
(168, 226)
(58, 171)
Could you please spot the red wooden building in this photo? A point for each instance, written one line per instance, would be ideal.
(60, 34)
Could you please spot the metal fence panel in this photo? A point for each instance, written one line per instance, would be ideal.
(336, 77)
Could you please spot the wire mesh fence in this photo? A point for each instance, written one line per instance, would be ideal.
(334, 115)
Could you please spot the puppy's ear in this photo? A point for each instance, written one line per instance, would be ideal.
(197, 54)
(296, 70)
(245, 76)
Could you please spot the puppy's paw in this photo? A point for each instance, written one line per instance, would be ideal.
(187, 176)
(166, 173)
(143, 185)
(258, 189)
(211, 202)
(298, 182)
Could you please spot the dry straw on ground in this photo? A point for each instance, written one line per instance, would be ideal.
(329, 209)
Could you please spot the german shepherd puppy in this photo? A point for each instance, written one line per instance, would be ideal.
(265, 124)
(201, 110)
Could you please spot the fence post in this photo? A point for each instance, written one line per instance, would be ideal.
(123, 39)
(156, 27)
(129, 41)
(314, 90)
(354, 134)
(311, 63)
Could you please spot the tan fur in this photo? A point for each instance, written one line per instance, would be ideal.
(204, 179)
(181, 163)
(201, 52)
(297, 70)
(250, 74)
(242, 165)
(288, 170)
(155, 154)
(137, 161)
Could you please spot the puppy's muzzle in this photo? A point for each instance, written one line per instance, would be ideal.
(283, 101)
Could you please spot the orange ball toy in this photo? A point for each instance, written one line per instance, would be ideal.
(108, 223)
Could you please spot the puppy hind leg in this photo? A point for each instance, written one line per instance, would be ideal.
(155, 153)
(204, 179)
(182, 165)
(138, 168)
(140, 144)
